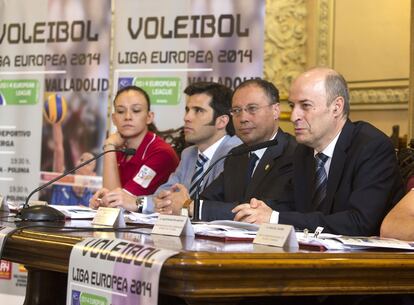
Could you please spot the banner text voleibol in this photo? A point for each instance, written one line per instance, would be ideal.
(193, 26)
(51, 31)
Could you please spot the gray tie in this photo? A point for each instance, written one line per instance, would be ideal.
(321, 179)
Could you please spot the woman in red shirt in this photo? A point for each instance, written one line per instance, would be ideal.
(126, 177)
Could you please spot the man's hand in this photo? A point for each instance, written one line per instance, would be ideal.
(256, 212)
(171, 201)
(179, 196)
(162, 202)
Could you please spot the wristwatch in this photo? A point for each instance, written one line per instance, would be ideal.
(185, 210)
(141, 201)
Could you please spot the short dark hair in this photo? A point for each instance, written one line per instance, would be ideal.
(269, 89)
(220, 99)
(335, 86)
(136, 89)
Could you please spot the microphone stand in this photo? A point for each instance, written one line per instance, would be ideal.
(196, 213)
(39, 213)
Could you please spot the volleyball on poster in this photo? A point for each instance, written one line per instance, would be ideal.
(54, 108)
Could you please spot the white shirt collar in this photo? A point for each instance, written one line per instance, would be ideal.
(209, 152)
(260, 152)
(329, 150)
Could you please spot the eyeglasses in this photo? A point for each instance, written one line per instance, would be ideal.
(250, 109)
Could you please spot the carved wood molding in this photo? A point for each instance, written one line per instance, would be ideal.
(285, 42)
(324, 33)
(379, 96)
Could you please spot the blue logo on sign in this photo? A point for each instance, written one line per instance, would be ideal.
(124, 82)
(76, 297)
(2, 100)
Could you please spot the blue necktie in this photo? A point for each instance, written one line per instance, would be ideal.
(321, 179)
(250, 166)
(198, 172)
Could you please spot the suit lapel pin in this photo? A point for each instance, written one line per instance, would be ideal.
(267, 167)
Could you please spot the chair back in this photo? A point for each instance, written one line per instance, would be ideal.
(406, 163)
(174, 137)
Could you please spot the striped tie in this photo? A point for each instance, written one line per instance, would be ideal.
(198, 172)
(321, 179)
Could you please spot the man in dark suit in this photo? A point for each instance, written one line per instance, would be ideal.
(255, 112)
(356, 182)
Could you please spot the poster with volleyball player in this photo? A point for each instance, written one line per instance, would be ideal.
(74, 189)
(75, 102)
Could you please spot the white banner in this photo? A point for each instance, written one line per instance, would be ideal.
(54, 84)
(13, 277)
(21, 94)
(114, 271)
(54, 72)
(13, 281)
(164, 45)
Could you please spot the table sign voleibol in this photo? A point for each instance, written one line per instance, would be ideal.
(114, 271)
(173, 225)
(277, 235)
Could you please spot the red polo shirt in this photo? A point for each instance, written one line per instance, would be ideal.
(150, 167)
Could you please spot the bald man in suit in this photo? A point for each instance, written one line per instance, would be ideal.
(356, 181)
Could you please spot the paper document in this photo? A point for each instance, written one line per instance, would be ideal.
(324, 241)
(236, 224)
(141, 218)
(14, 206)
(224, 232)
(75, 211)
(377, 242)
(340, 242)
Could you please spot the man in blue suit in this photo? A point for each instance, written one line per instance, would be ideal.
(208, 126)
(356, 181)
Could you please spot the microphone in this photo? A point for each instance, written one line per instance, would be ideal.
(245, 149)
(47, 213)
(234, 152)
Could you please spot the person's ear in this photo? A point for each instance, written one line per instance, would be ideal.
(338, 105)
(222, 121)
(150, 117)
(276, 111)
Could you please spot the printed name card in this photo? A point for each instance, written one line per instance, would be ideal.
(276, 235)
(169, 242)
(111, 217)
(173, 225)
